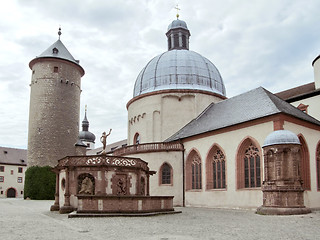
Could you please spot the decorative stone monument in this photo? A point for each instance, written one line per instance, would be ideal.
(282, 187)
(101, 185)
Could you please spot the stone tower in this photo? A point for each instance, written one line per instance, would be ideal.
(54, 105)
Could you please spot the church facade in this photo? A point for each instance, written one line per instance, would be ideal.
(207, 149)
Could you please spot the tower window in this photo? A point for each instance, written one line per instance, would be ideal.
(184, 41)
(169, 43)
(176, 40)
(20, 169)
(55, 51)
(55, 69)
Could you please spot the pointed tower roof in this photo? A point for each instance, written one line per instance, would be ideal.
(57, 50)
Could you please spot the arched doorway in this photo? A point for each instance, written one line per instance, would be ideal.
(11, 193)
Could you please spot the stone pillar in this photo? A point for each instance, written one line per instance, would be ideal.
(66, 208)
(55, 206)
(282, 187)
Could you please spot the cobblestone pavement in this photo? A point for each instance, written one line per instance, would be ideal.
(27, 219)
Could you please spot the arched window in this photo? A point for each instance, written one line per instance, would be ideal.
(166, 174)
(305, 164)
(193, 171)
(248, 165)
(216, 169)
(136, 139)
(318, 166)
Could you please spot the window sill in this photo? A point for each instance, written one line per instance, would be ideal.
(249, 189)
(217, 189)
(194, 190)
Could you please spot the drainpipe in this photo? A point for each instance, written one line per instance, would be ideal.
(183, 177)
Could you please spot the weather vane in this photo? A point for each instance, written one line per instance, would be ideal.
(178, 9)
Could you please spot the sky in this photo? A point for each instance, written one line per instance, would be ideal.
(268, 43)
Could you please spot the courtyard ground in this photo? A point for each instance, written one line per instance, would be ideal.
(27, 219)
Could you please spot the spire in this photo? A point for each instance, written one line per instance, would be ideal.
(85, 122)
(85, 135)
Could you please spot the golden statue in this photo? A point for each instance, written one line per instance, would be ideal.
(103, 139)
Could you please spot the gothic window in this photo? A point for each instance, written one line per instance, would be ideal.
(193, 169)
(216, 169)
(305, 164)
(166, 174)
(248, 165)
(136, 139)
(318, 166)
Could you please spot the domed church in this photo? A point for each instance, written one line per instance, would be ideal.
(254, 149)
(208, 149)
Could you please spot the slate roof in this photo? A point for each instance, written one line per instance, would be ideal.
(13, 156)
(297, 92)
(62, 52)
(255, 104)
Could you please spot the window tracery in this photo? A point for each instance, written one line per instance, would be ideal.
(252, 167)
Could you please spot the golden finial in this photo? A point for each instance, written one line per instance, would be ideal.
(178, 9)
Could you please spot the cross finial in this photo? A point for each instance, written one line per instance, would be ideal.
(178, 9)
(59, 33)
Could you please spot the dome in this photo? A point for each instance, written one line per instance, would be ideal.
(177, 24)
(179, 69)
(281, 137)
(87, 136)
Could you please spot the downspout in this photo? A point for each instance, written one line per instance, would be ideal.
(183, 177)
